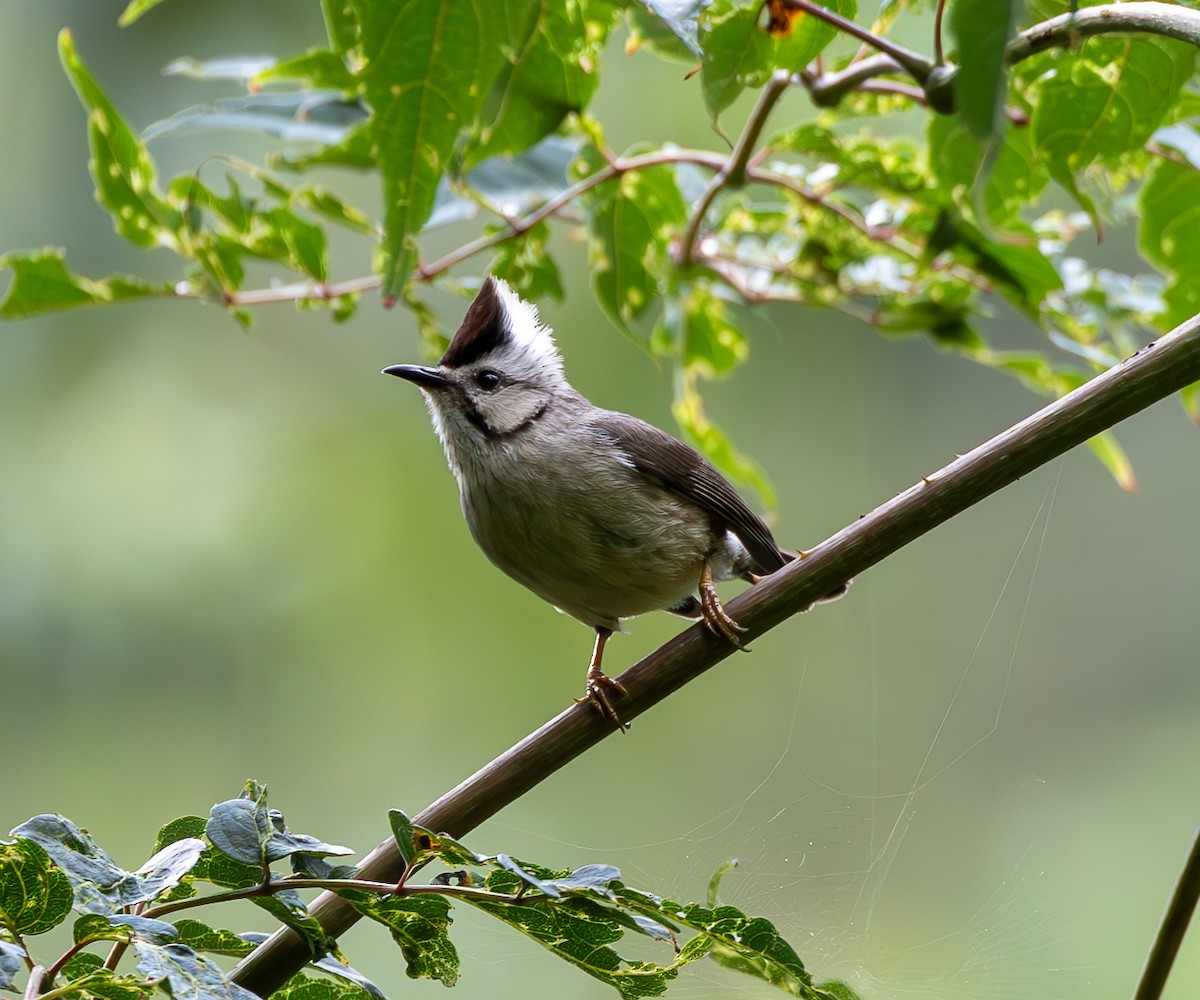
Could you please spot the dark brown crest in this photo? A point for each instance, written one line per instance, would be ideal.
(483, 328)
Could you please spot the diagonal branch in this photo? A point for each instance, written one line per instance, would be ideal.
(1156, 371)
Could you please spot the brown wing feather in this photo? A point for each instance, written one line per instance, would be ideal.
(685, 471)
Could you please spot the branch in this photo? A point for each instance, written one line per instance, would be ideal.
(1166, 19)
(1156, 371)
(1172, 929)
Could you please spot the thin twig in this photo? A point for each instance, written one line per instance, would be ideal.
(1171, 930)
(1159, 369)
(733, 172)
(913, 63)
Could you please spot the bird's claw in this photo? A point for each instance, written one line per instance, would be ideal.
(599, 685)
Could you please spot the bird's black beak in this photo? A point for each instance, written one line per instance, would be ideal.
(426, 378)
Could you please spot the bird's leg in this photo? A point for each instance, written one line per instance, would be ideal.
(599, 683)
(716, 617)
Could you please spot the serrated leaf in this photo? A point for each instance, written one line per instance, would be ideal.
(12, 961)
(41, 283)
(981, 29)
(420, 926)
(551, 73)
(200, 937)
(1105, 101)
(427, 69)
(581, 931)
(121, 168)
(443, 847)
(35, 895)
(186, 975)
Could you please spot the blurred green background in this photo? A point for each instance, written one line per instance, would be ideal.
(228, 554)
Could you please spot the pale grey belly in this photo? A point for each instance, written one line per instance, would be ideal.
(597, 558)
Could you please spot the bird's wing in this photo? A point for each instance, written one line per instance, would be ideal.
(683, 470)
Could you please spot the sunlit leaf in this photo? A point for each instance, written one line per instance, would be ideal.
(420, 926)
(1108, 449)
(121, 168)
(135, 9)
(35, 895)
(680, 17)
(552, 74)
(186, 975)
(1169, 236)
(414, 126)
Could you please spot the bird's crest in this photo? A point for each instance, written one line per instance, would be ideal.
(499, 319)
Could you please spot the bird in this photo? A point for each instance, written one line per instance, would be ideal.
(599, 513)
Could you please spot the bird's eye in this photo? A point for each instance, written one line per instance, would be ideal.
(487, 380)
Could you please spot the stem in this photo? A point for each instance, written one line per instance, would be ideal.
(913, 63)
(733, 172)
(938, 56)
(827, 89)
(1172, 929)
(1166, 19)
(1157, 370)
(33, 988)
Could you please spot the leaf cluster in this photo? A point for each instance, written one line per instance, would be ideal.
(1037, 125)
(52, 868)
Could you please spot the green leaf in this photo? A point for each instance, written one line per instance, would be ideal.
(688, 410)
(1013, 183)
(402, 833)
(184, 975)
(552, 74)
(100, 885)
(680, 17)
(420, 926)
(1104, 101)
(35, 895)
(302, 987)
(41, 283)
(341, 25)
(738, 53)
(428, 66)
(525, 263)
(981, 29)
(1108, 449)
(88, 977)
(134, 10)
(1169, 235)
(318, 68)
(247, 831)
(631, 221)
(121, 168)
(580, 931)
(201, 937)
(121, 927)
